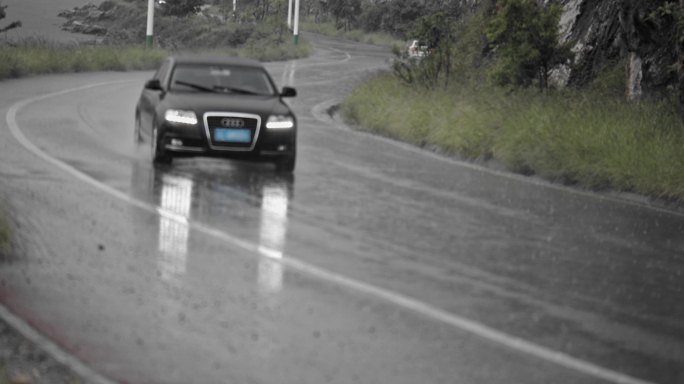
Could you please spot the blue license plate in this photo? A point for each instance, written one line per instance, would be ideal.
(231, 135)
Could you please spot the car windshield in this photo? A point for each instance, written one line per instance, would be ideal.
(217, 78)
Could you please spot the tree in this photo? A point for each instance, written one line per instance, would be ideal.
(345, 12)
(672, 12)
(182, 8)
(524, 35)
(12, 25)
(402, 15)
(435, 31)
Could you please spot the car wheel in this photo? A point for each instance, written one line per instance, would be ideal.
(286, 164)
(159, 154)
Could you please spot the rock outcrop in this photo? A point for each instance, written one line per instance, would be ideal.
(620, 32)
(86, 19)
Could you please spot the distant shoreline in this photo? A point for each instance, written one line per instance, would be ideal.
(40, 21)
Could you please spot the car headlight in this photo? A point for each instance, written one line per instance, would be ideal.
(280, 122)
(179, 116)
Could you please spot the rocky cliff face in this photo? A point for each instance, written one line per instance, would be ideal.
(612, 32)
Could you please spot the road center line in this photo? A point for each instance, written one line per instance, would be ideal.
(473, 327)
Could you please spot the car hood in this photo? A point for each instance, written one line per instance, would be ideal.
(216, 102)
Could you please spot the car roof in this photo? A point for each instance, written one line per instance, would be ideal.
(216, 60)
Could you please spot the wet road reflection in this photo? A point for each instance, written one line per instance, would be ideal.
(176, 198)
(272, 232)
(248, 200)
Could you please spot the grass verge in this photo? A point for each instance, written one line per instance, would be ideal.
(39, 57)
(266, 49)
(329, 29)
(585, 138)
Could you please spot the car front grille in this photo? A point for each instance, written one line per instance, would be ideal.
(232, 131)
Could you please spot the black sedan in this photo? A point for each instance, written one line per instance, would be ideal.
(218, 107)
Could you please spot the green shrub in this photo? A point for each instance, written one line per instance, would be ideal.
(610, 81)
(525, 36)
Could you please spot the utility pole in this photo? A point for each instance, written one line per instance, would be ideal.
(296, 22)
(149, 38)
(289, 14)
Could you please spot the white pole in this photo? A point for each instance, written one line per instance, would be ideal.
(296, 22)
(150, 24)
(289, 14)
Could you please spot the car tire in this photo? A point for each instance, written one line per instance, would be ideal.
(159, 154)
(286, 164)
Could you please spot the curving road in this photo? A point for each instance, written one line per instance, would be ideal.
(375, 263)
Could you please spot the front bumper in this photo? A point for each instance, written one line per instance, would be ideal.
(196, 141)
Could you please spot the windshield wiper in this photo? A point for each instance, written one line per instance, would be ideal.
(196, 86)
(235, 90)
(216, 88)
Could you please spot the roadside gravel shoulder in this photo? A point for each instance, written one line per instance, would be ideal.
(23, 362)
(22, 359)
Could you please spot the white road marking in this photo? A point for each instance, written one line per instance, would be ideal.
(473, 327)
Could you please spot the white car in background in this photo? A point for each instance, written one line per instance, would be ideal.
(416, 49)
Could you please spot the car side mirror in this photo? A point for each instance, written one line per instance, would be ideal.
(288, 92)
(153, 85)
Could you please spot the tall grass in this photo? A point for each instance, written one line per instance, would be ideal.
(589, 138)
(33, 57)
(39, 57)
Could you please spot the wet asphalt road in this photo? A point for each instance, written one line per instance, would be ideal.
(374, 263)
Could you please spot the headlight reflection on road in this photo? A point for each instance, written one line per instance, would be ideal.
(175, 206)
(272, 231)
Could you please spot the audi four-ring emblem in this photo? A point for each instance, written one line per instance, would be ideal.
(230, 122)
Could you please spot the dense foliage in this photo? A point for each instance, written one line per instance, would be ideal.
(517, 39)
(181, 7)
(525, 37)
(12, 25)
(516, 43)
